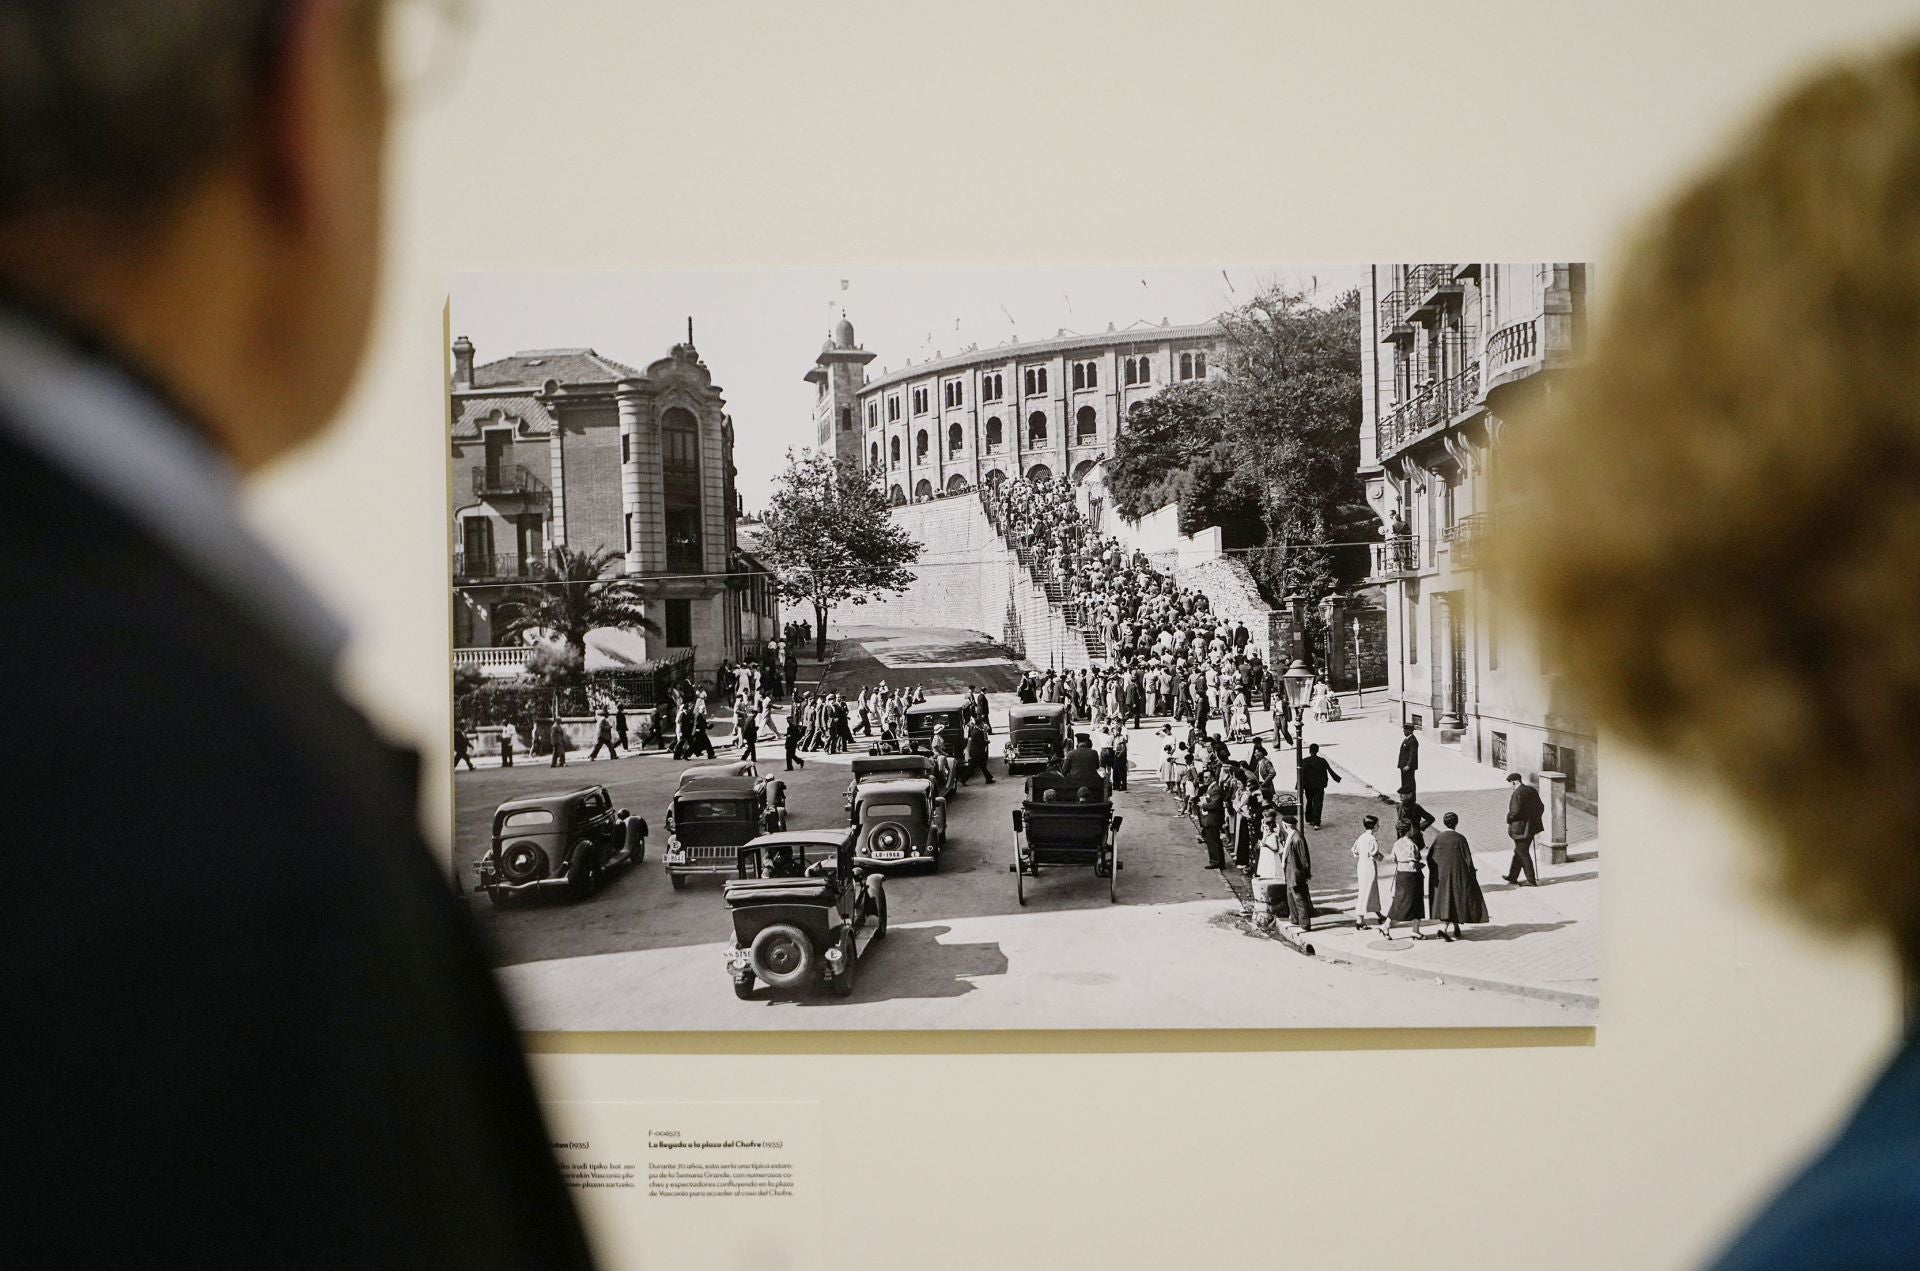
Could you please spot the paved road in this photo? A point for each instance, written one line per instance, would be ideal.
(963, 953)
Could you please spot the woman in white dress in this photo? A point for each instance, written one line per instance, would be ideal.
(1322, 700)
(1366, 873)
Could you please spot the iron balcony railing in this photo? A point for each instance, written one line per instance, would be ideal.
(1424, 279)
(468, 567)
(507, 479)
(1397, 557)
(1467, 540)
(1432, 405)
(1393, 314)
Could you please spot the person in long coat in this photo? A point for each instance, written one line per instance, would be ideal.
(1456, 888)
(1525, 818)
(1297, 864)
(1409, 762)
(1366, 873)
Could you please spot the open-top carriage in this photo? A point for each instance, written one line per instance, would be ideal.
(715, 810)
(1037, 735)
(804, 908)
(1065, 821)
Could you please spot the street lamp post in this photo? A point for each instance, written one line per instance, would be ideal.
(1298, 682)
(1359, 683)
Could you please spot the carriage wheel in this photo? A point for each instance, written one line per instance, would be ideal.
(1019, 880)
(1113, 879)
(880, 931)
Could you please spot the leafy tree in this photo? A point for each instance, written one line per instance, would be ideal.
(576, 596)
(1270, 452)
(830, 538)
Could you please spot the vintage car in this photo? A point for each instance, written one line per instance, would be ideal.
(714, 811)
(801, 903)
(945, 715)
(891, 767)
(900, 821)
(1037, 735)
(1064, 821)
(566, 842)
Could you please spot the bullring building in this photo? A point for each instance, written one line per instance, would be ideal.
(1048, 408)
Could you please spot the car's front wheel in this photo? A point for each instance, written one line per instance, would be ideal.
(679, 881)
(584, 881)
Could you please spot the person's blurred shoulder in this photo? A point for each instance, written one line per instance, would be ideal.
(1857, 1206)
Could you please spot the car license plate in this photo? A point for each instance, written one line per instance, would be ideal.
(888, 856)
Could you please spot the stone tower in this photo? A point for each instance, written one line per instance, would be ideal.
(837, 375)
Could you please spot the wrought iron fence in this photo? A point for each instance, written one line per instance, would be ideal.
(507, 479)
(470, 567)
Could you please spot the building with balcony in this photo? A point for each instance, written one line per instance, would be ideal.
(568, 448)
(1445, 349)
(1051, 407)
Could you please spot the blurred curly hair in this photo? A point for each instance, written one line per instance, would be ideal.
(1722, 525)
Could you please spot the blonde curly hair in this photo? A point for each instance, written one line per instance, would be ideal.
(1720, 531)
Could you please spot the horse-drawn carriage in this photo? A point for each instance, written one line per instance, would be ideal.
(1065, 821)
(801, 907)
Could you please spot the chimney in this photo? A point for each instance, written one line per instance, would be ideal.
(462, 362)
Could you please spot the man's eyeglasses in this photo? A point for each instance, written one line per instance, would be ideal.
(423, 42)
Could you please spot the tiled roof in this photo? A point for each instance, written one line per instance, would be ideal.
(534, 367)
(1001, 354)
(468, 411)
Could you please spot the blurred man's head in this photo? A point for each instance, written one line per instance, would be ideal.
(199, 182)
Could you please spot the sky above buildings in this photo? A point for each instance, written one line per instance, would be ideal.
(758, 331)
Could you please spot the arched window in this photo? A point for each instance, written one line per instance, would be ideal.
(994, 478)
(956, 438)
(1146, 371)
(996, 433)
(1079, 375)
(1039, 472)
(1126, 367)
(1081, 469)
(1200, 365)
(893, 451)
(873, 455)
(1037, 429)
(923, 491)
(1186, 366)
(956, 484)
(1086, 426)
(897, 496)
(920, 445)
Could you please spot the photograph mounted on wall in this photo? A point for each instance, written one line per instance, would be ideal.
(1062, 649)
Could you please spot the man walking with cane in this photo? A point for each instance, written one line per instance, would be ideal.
(1524, 820)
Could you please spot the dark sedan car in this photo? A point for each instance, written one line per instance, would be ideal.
(567, 842)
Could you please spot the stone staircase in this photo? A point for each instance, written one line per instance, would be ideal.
(1075, 645)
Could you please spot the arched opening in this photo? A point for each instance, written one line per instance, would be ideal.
(873, 455)
(920, 446)
(956, 484)
(923, 491)
(893, 451)
(1081, 469)
(996, 433)
(1086, 426)
(994, 478)
(1037, 428)
(1186, 366)
(897, 496)
(1039, 472)
(955, 439)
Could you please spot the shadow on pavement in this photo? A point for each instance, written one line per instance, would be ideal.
(906, 956)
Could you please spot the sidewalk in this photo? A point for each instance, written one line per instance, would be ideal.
(1543, 942)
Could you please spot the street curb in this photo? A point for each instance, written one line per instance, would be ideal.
(1562, 997)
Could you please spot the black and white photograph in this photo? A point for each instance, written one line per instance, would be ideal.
(1018, 648)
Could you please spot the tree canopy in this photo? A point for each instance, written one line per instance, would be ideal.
(830, 538)
(1269, 452)
(574, 598)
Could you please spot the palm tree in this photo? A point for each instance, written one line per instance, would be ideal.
(576, 597)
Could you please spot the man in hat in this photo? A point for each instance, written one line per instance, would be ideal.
(1525, 819)
(1315, 772)
(1409, 760)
